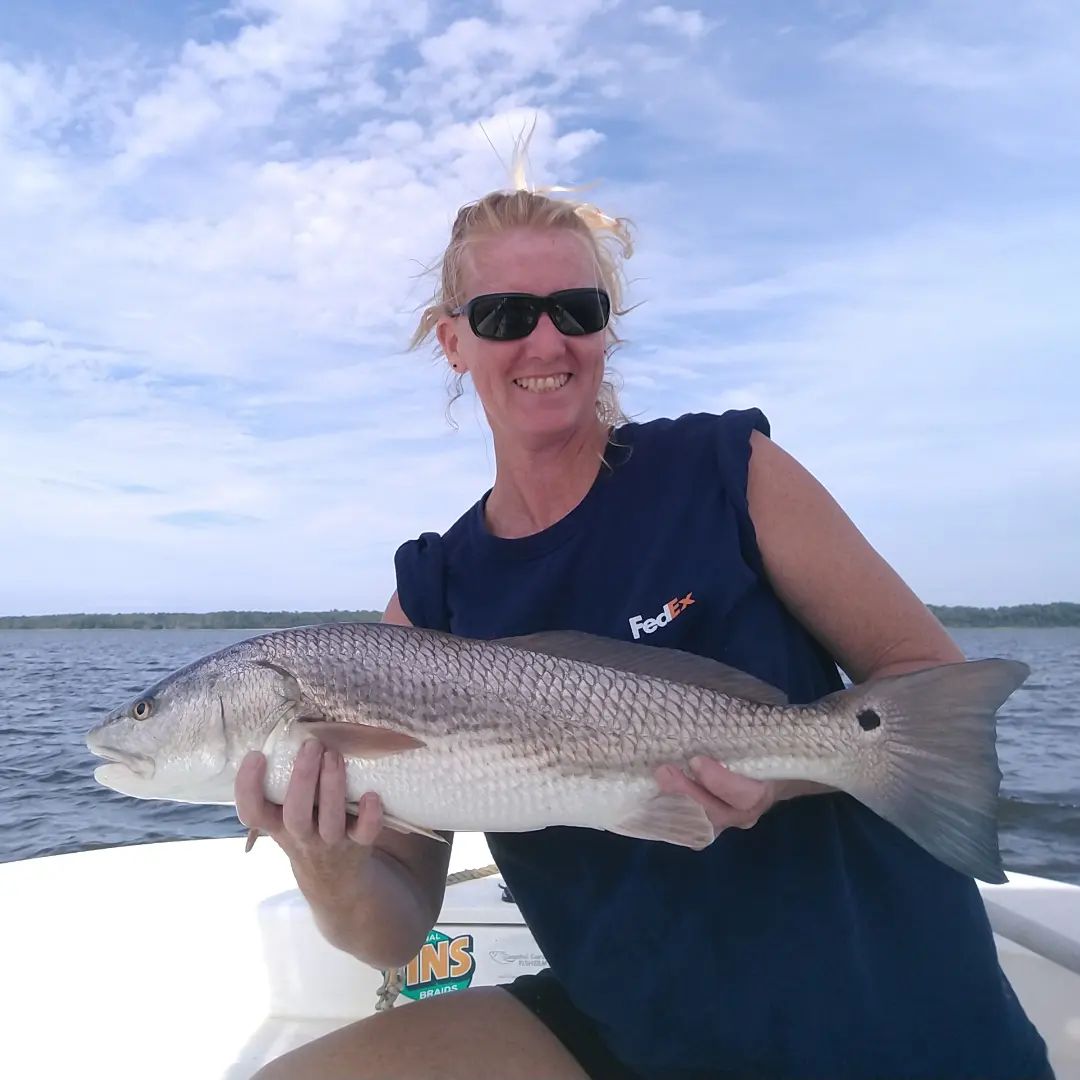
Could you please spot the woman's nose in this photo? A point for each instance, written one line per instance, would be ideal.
(546, 340)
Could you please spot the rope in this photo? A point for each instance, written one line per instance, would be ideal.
(394, 978)
(472, 875)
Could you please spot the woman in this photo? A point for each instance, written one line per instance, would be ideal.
(811, 939)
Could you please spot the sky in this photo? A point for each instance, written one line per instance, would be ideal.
(216, 219)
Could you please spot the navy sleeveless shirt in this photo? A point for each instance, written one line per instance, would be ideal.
(822, 944)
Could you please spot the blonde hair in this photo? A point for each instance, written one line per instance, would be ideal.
(607, 239)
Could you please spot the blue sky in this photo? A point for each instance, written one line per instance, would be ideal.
(862, 218)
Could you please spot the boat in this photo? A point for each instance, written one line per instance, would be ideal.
(191, 959)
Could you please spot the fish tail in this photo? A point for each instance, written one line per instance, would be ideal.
(943, 776)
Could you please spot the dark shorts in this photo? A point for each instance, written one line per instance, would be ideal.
(542, 994)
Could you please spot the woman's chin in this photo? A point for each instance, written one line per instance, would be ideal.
(552, 418)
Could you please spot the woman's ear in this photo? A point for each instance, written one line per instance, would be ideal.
(450, 342)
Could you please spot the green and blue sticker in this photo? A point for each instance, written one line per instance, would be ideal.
(443, 965)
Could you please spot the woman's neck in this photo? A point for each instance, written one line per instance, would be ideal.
(536, 486)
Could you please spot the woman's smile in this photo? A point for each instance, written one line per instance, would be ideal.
(543, 384)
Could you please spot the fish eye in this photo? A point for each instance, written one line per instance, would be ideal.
(141, 709)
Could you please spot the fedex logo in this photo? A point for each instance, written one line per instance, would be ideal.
(672, 609)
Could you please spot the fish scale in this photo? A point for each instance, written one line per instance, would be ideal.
(561, 729)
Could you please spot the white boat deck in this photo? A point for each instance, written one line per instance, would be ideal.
(165, 961)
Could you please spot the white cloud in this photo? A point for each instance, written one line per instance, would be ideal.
(561, 11)
(170, 118)
(28, 98)
(992, 71)
(219, 88)
(913, 58)
(688, 22)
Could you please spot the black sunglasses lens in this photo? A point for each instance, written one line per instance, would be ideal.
(504, 317)
(581, 311)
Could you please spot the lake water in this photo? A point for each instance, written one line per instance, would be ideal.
(56, 684)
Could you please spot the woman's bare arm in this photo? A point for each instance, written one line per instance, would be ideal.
(831, 579)
(846, 595)
(374, 892)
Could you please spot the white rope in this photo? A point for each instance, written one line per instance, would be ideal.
(472, 875)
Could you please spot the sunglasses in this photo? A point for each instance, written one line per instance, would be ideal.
(509, 316)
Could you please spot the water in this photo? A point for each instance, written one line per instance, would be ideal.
(55, 684)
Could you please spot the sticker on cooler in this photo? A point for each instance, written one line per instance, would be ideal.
(444, 964)
(518, 963)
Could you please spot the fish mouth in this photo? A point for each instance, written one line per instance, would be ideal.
(139, 764)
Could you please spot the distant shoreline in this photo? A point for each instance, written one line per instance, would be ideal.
(1017, 617)
(183, 620)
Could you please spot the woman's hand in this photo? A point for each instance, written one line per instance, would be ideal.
(326, 846)
(374, 893)
(730, 800)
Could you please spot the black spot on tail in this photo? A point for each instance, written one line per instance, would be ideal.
(868, 719)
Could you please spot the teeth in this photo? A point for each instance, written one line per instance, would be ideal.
(542, 384)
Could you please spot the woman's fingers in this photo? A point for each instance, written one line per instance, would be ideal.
(298, 813)
(315, 806)
(674, 781)
(252, 807)
(741, 792)
(331, 812)
(368, 822)
(729, 799)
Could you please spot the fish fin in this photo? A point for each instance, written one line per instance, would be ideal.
(676, 819)
(293, 691)
(398, 825)
(944, 776)
(675, 665)
(252, 836)
(358, 740)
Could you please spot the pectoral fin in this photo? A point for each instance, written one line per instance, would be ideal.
(359, 740)
(398, 825)
(675, 819)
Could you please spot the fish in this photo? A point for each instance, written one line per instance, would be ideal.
(561, 728)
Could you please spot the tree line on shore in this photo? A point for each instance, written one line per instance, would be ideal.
(1020, 615)
(184, 620)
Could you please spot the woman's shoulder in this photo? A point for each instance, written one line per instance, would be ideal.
(432, 544)
(420, 569)
(730, 425)
(703, 445)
